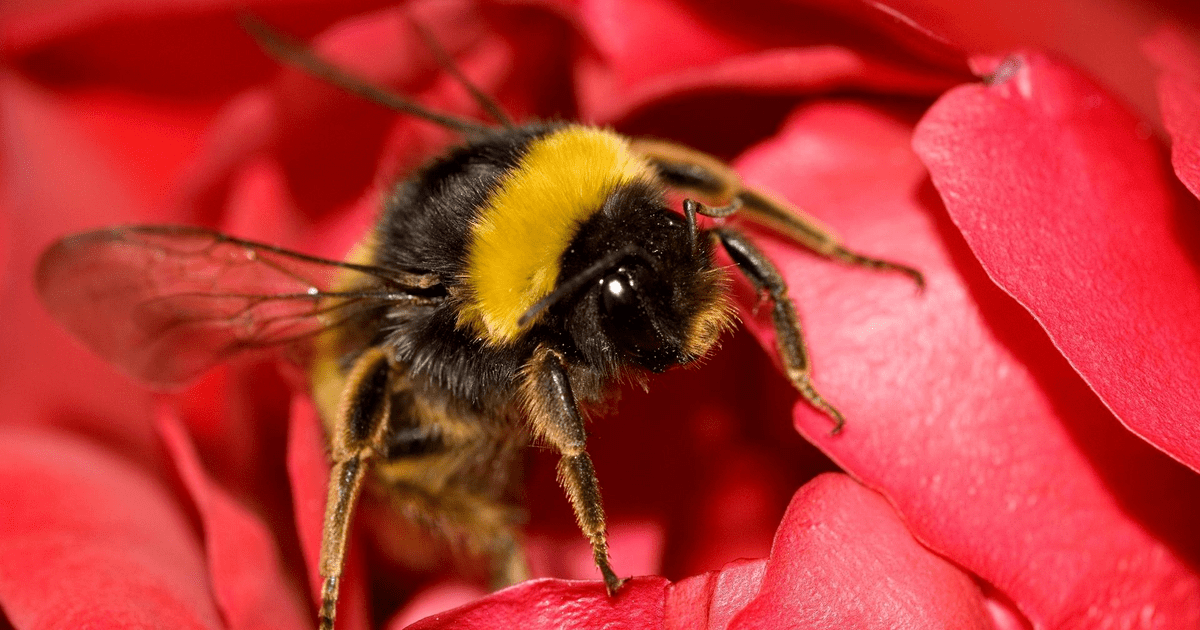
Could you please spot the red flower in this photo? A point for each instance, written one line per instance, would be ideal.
(1021, 441)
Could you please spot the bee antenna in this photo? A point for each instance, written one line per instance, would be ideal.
(444, 60)
(580, 279)
(295, 53)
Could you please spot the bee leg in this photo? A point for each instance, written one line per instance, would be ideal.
(489, 526)
(691, 171)
(485, 524)
(509, 565)
(555, 418)
(692, 207)
(686, 169)
(789, 338)
(791, 221)
(357, 436)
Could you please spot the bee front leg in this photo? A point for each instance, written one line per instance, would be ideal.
(789, 338)
(555, 417)
(690, 171)
(358, 435)
(787, 219)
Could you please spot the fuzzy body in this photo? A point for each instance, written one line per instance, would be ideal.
(489, 223)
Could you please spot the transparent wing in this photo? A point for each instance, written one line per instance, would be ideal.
(166, 303)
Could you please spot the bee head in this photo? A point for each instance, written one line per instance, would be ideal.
(652, 296)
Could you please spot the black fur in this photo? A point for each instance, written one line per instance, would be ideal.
(427, 219)
(426, 225)
(636, 214)
(369, 403)
(405, 437)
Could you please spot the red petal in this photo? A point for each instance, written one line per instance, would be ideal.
(88, 541)
(1100, 36)
(435, 599)
(329, 142)
(560, 605)
(958, 407)
(5, 238)
(844, 559)
(247, 577)
(1071, 210)
(81, 43)
(55, 178)
(841, 556)
(710, 600)
(1178, 62)
(810, 69)
(651, 50)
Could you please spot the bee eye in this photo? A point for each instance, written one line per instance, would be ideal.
(618, 293)
(627, 319)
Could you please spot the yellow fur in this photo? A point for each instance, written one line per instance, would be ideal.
(516, 245)
(326, 373)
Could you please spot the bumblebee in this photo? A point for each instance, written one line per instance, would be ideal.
(506, 286)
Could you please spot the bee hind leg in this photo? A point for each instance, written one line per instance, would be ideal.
(484, 526)
(508, 563)
(357, 437)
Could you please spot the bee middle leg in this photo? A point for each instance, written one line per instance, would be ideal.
(555, 417)
(486, 526)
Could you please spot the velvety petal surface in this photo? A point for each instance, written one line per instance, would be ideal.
(643, 52)
(81, 44)
(1072, 210)
(1178, 63)
(959, 408)
(88, 540)
(559, 604)
(710, 600)
(843, 559)
(1102, 37)
(703, 602)
(247, 576)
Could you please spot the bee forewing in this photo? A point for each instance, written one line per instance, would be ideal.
(166, 303)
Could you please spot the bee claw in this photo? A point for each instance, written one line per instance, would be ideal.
(614, 584)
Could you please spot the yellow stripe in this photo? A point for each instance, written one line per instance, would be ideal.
(520, 236)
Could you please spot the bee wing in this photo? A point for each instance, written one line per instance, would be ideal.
(166, 303)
